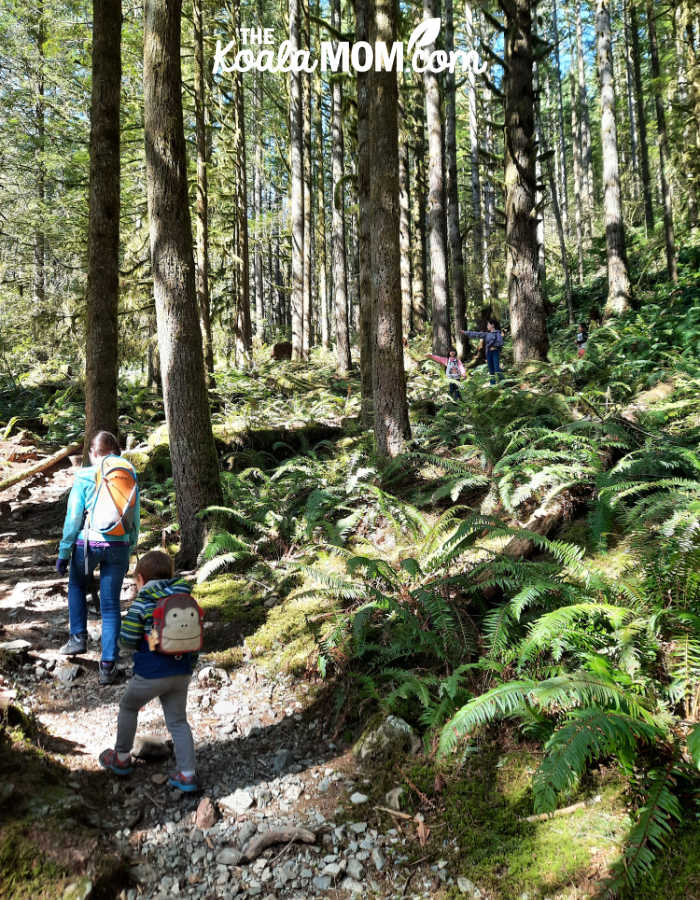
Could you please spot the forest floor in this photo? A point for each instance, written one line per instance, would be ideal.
(266, 759)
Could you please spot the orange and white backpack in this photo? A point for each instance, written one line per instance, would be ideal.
(116, 495)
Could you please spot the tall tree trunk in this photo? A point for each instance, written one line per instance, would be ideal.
(527, 313)
(619, 289)
(364, 225)
(641, 118)
(562, 241)
(391, 427)
(102, 330)
(539, 190)
(308, 218)
(664, 156)
(578, 180)
(296, 139)
(340, 285)
(244, 329)
(437, 223)
(488, 200)
(454, 233)
(321, 257)
(200, 106)
(631, 111)
(585, 126)
(257, 209)
(39, 273)
(192, 450)
(405, 235)
(419, 314)
(561, 147)
(477, 218)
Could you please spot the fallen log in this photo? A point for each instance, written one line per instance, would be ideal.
(261, 842)
(44, 466)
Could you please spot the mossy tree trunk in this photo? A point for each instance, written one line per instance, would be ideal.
(619, 288)
(296, 143)
(200, 107)
(437, 222)
(192, 449)
(364, 224)
(391, 427)
(340, 266)
(527, 311)
(102, 329)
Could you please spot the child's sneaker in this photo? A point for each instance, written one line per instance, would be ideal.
(185, 783)
(110, 760)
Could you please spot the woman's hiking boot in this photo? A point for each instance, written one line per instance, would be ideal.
(76, 643)
(108, 673)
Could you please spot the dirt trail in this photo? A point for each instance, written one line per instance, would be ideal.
(265, 755)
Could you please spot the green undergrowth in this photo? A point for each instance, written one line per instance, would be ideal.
(476, 819)
(44, 829)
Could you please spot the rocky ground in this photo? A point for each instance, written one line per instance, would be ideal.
(266, 758)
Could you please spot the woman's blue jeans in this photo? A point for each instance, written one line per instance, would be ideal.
(493, 361)
(113, 561)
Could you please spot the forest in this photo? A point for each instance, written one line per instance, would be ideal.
(394, 309)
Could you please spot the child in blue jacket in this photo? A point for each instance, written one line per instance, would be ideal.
(155, 675)
(493, 344)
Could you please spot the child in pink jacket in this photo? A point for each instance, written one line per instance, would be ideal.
(454, 369)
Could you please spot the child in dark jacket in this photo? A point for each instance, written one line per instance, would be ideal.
(493, 344)
(155, 675)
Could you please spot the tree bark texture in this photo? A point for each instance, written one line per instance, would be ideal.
(102, 329)
(296, 139)
(561, 147)
(192, 449)
(405, 236)
(619, 289)
(664, 155)
(364, 225)
(527, 312)
(419, 315)
(391, 427)
(477, 217)
(308, 216)
(578, 180)
(200, 106)
(321, 256)
(585, 126)
(641, 119)
(437, 222)
(39, 273)
(340, 278)
(453, 229)
(244, 327)
(258, 205)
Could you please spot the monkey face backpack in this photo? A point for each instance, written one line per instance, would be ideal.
(177, 625)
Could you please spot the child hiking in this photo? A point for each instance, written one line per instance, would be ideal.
(162, 616)
(454, 370)
(493, 344)
(101, 528)
(581, 339)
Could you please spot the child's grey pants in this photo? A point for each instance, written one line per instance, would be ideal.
(172, 692)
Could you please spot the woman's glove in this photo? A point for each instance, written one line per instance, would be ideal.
(61, 566)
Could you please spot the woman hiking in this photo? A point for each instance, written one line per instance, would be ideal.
(493, 344)
(101, 528)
